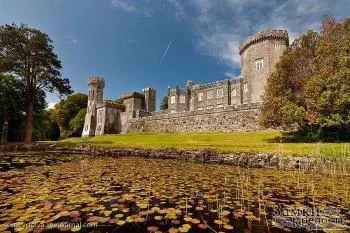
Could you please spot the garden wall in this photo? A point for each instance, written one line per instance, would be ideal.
(225, 119)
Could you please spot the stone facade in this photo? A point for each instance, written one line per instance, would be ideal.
(107, 117)
(222, 106)
(259, 55)
(227, 119)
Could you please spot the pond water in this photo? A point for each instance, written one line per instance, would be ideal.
(44, 192)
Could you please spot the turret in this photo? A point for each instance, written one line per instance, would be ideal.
(150, 99)
(259, 55)
(96, 85)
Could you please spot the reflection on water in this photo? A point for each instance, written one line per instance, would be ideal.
(152, 195)
(12, 160)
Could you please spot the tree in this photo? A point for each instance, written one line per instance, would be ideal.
(164, 103)
(46, 127)
(28, 54)
(11, 100)
(76, 124)
(68, 109)
(310, 87)
(284, 99)
(12, 106)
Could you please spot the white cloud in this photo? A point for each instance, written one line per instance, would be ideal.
(132, 7)
(219, 27)
(230, 75)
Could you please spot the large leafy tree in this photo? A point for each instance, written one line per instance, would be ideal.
(28, 54)
(11, 101)
(310, 87)
(70, 113)
(13, 105)
(45, 126)
(284, 99)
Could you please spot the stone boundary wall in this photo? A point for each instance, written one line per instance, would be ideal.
(225, 119)
(299, 162)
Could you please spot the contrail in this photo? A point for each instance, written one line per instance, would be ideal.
(166, 51)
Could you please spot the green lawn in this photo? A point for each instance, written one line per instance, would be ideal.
(260, 141)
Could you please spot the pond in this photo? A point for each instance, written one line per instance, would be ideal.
(77, 193)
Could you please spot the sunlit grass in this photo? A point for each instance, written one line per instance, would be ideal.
(258, 141)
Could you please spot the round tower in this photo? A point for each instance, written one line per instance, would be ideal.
(259, 55)
(96, 85)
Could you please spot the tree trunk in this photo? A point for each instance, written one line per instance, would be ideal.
(29, 113)
(5, 128)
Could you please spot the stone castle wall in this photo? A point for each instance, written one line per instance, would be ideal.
(222, 106)
(265, 48)
(227, 119)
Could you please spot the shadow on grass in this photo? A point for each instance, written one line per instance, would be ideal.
(298, 137)
(290, 137)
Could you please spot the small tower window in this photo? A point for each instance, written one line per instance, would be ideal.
(219, 93)
(172, 99)
(259, 64)
(245, 87)
(210, 95)
(200, 96)
(182, 99)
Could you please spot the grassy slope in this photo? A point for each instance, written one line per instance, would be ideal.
(260, 141)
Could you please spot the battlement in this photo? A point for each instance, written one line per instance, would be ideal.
(133, 94)
(269, 34)
(95, 80)
(147, 89)
(224, 81)
(110, 104)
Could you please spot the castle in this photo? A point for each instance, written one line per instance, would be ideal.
(226, 105)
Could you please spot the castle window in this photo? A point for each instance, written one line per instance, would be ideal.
(278, 46)
(219, 93)
(100, 116)
(182, 99)
(259, 64)
(245, 87)
(172, 99)
(210, 95)
(200, 96)
(234, 92)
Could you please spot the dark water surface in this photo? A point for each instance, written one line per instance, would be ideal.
(103, 194)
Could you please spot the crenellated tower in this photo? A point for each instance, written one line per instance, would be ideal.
(96, 85)
(150, 99)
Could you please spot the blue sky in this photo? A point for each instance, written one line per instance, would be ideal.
(124, 41)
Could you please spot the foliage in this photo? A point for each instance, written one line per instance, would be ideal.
(28, 53)
(259, 141)
(46, 127)
(13, 103)
(70, 114)
(310, 88)
(164, 103)
(119, 100)
(76, 124)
